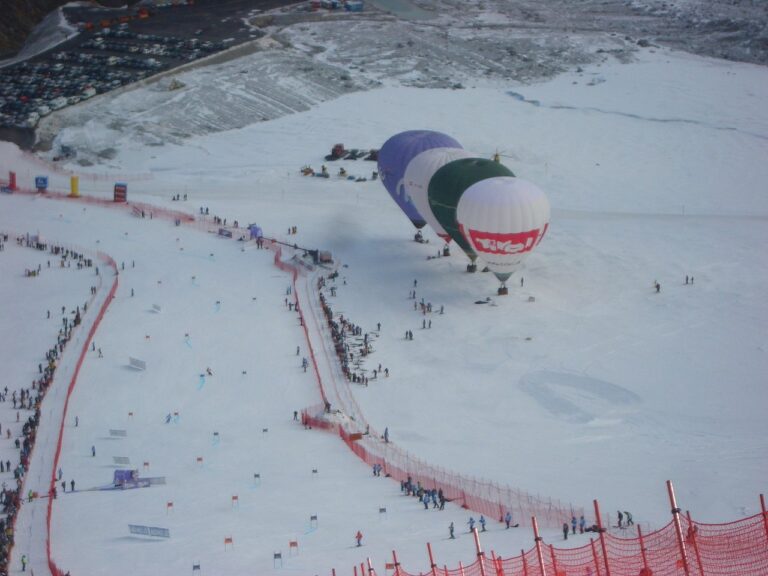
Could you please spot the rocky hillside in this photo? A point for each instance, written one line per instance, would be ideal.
(19, 17)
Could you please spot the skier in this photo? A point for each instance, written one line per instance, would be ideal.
(450, 531)
(63, 485)
(359, 538)
(565, 530)
(508, 519)
(582, 524)
(425, 500)
(93, 451)
(72, 484)
(482, 523)
(573, 524)
(628, 516)
(23, 562)
(658, 287)
(298, 350)
(621, 518)
(386, 435)
(471, 523)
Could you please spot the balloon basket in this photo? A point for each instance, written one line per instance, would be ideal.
(471, 268)
(502, 291)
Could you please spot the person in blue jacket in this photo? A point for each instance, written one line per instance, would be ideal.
(508, 519)
(482, 523)
(471, 523)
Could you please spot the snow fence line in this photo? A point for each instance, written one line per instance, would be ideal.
(485, 497)
(51, 393)
(109, 261)
(737, 548)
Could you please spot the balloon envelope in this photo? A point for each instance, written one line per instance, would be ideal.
(447, 186)
(394, 157)
(503, 219)
(417, 176)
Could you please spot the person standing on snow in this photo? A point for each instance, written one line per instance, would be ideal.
(359, 538)
(450, 531)
(582, 524)
(482, 523)
(628, 515)
(471, 523)
(508, 519)
(621, 518)
(565, 530)
(573, 525)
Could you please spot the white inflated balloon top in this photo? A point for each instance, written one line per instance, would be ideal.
(418, 174)
(503, 219)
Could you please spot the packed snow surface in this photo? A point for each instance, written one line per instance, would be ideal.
(582, 383)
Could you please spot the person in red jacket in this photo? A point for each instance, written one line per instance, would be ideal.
(359, 538)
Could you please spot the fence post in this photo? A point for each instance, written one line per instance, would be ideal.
(370, 568)
(497, 564)
(396, 563)
(480, 554)
(678, 528)
(765, 515)
(695, 544)
(432, 564)
(594, 555)
(537, 540)
(525, 562)
(601, 531)
(554, 560)
(642, 548)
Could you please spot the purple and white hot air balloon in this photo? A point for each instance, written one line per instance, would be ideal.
(394, 157)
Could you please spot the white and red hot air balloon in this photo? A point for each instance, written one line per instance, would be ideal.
(503, 219)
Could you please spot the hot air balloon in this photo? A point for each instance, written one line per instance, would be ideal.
(417, 176)
(447, 186)
(503, 219)
(394, 157)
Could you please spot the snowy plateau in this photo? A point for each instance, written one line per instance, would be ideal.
(583, 383)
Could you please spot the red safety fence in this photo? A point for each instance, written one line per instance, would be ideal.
(138, 209)
(735, 549)
(681, 548)
(485, 497)
(106, 259)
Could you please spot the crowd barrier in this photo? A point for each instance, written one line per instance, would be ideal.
(681, 548)
(484, 497)
(139, 209)
(106, 259)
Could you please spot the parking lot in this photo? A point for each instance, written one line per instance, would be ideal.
(117, 47)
